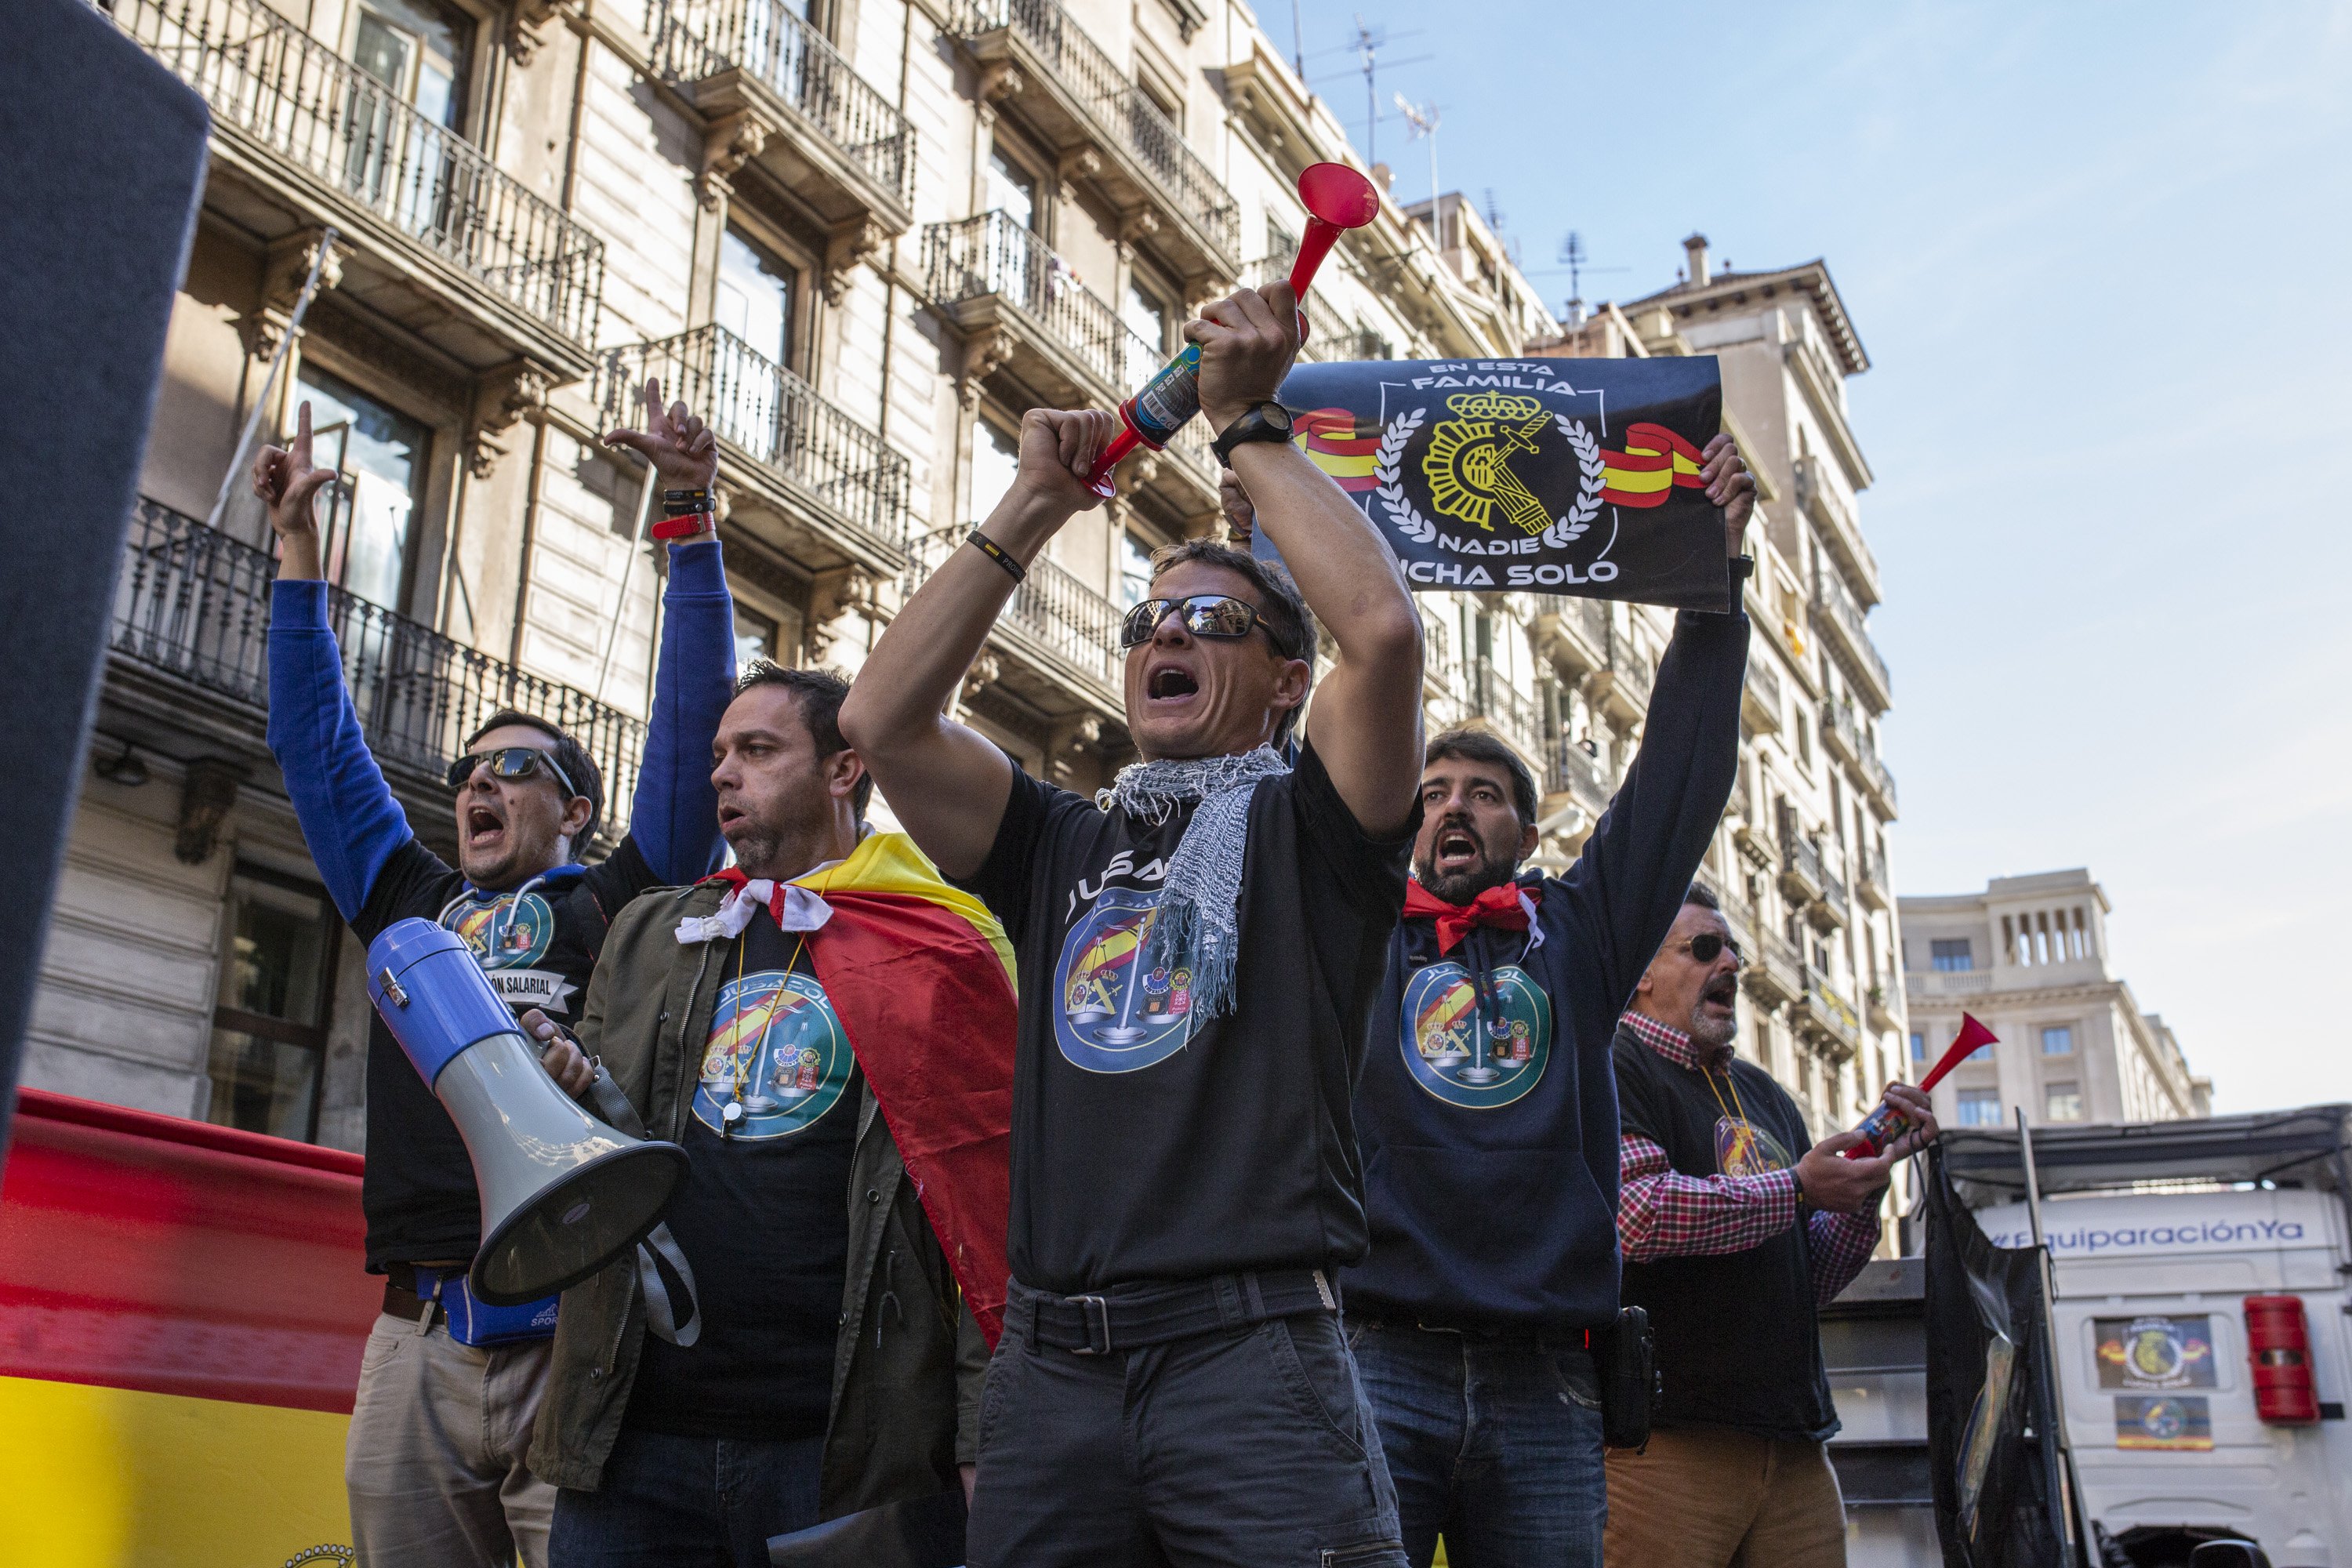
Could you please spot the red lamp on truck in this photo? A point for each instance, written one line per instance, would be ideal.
(2278, 1344)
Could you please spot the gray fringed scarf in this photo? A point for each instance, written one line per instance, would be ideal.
(1198, 925)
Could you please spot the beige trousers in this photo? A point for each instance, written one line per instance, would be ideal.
(435, 1464)
(1713, 1498)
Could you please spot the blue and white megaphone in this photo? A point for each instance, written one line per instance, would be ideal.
(564, 1195)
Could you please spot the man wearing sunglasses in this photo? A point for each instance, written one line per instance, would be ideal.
(1732, 1242)
(1489, 1108)
(1197, 953)
(435, 1465)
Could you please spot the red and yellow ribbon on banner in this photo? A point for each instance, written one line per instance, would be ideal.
(1654, 461)
(1327, 437)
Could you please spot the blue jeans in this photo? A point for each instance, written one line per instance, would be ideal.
(1494, 1444)
(687, 1502)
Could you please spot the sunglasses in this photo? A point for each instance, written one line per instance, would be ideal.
(1707, 947)
(510, 762)
(1212, 615)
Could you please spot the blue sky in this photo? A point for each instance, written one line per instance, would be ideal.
(2098, 255)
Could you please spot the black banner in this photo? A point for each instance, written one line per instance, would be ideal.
(1555, 476)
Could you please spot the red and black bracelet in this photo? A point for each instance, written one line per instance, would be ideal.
(685, 527)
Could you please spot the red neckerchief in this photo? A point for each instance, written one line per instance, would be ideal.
(1498, 906)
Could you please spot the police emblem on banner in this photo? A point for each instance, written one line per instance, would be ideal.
(777, 1049)
(1549, 476)
(509, 936)
(1111, 1015)
(1478, 1058)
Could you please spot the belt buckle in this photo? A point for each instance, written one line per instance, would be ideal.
(1097, 1313)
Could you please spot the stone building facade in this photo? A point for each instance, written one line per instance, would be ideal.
(2029, 957)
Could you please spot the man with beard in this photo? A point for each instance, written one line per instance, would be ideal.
(1488, 1112)
(1731, 1247)
(1171, 1385)
(434, 1461)
(830, 1366)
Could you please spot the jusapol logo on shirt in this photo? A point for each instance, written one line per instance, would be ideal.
(1113, 1015)
(508, 936)
(1744, 1149)
(776, 1048)
(1457, 1052)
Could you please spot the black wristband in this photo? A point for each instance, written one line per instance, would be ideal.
(685, 503)
(997, 553)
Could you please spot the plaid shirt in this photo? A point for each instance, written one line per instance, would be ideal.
(1662, 1213)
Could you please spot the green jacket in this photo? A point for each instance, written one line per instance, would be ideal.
(907, 1360)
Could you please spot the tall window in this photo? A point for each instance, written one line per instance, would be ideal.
(1009, 188)
(1134, 570)
(1951, 954)
(995, 456)
(1918, 1047)
(1980, 1107)
(1147, 318)
(2058, 1040)
(2063, 1102)
(270, 1027)
(755, 297)
(378, 455)
(419, 50)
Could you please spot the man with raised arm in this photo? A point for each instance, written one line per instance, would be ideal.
(1197, 950)
(435, 1464)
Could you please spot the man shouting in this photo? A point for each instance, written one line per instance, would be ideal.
(1197, 955)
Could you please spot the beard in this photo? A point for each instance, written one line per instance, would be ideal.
(1491, 870)
(1707, 1031)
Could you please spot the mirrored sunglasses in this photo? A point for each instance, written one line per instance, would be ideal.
(510, 762)
(1212, 615)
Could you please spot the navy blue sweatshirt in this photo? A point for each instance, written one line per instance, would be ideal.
(537, 943)
(1489, 1135)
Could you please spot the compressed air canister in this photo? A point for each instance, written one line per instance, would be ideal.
(1879, 1131)
(1167, 400)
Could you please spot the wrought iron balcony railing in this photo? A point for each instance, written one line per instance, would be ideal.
(992, 253)
(1840, 719)
(1516, 716)
(1577, 773)
(1051, 611)
(1631, 667)
(1831, 597)
(338, 127)
(1830, 1017)
(1127, 117)
(767, 39)
(195, 604)
(775, 418)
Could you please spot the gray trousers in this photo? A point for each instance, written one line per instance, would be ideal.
(1248, 1447)
(435, 1464)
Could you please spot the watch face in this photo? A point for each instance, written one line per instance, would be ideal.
(1276, 415)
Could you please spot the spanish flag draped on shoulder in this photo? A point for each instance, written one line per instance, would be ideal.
(1558, 476)
(922, 978)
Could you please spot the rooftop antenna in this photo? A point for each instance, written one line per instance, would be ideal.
(1368, 44)
(1424, 119)
(1298, 43)
(1573, 255)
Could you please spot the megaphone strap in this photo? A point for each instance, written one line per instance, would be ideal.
(661, 1316)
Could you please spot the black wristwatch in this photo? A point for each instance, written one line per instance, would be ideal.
(1266, 422)
(1743, 567)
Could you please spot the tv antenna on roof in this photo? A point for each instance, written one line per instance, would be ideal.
(1424, 119)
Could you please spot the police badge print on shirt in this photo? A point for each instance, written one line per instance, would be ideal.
(1478, 1058)
(1113, 1015)
(509, 934)
(1744, 1149)
(776, 1051)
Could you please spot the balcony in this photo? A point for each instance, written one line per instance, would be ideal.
(1024, 316)
(1510, 713)
(1330, 338)
(1829, 1019)
(1843, 732)
(1831, 911)
(1100, 127)
(191, 634)
(1761, 701)
(1832, 509)
(1881, 1002)
(1775, 973)
(834, 489)
(1802, 877)
(775, 93)
(1870, 883)
(1579, 775)
(1573, 633)
(1840, 620)
(1058, 639)
(1621, 687)
(436, 240)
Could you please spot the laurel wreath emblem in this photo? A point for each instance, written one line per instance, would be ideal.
(1388, 474)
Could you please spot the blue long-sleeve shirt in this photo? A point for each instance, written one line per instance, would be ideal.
(537, 943)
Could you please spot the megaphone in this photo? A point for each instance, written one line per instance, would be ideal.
(564, 1195)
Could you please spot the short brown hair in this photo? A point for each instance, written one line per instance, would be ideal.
(822, 693)
(1289, 624)
(1478, 746)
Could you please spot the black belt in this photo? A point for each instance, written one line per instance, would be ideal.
(1132, 1317)
(399, 1297)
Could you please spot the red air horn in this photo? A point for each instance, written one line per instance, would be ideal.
(1886, 1124)
(1336, 197)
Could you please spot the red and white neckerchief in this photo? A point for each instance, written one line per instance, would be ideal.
(792, 906)
(1506, 906)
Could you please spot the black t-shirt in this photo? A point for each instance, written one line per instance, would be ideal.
(536, 944)
(1147, 1144)
(763, 1214)
(1738, 1342)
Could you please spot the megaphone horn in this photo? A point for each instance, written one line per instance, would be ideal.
(564, 1195)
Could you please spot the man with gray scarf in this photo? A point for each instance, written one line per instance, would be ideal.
(1199, 949)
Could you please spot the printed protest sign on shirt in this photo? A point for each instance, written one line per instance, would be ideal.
(1556, 475)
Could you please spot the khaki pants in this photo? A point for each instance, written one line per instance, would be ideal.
(435, 1464)
(1711, 1498)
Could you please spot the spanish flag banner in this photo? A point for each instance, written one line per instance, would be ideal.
(1562, 475)
(922, 978)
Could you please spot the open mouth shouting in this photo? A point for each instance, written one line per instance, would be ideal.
(485, 827)
(1457, 850)
(1720, 996)
(1168, 686)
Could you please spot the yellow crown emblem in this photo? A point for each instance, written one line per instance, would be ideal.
(1468, 461)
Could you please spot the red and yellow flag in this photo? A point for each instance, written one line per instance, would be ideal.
(1653, 463)
(922, 978)
(1327, 437)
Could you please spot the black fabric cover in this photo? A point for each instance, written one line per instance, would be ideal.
(102, 159)
(1986, 1369)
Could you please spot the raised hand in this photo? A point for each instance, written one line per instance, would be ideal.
(1729, 485)
(1248, 341)
(680, 446)
(1241, 512)
(1058, 448)
(289, 485)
